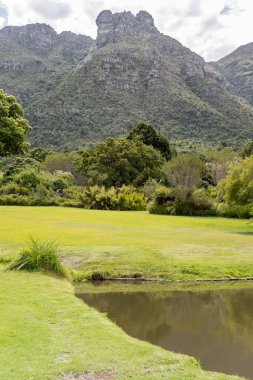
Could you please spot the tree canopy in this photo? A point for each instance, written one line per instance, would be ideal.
(219, 161)
(185, 171)
(117, 162)
(13, 126)
(149, 136)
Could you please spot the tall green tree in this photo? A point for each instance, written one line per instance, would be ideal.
(149, 136)
(238, 185)
(117, 162)
(13, 126)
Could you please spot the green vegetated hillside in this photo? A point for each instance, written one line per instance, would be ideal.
(78, 91)
(237, 67)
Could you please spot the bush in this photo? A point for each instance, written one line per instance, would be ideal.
(17, 200)
(124, 198)
(13, 188)
(39, 256)
(237, 188)
(153, 208)
(235, 211)
(27, 178)
(196, 203)
(176, 201)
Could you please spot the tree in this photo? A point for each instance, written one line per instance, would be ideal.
(117, 162)
(247, 149)
(13, 126)
(238, 186)
(219, 161)
(65, 162)
(39, 153)
(184, 171)
(149, 136)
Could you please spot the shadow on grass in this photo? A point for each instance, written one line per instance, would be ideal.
(242, 232)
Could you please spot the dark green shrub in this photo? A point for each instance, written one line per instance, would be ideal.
(97, 276)
(177, 201)
(153, 208)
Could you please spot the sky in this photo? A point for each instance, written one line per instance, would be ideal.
(211, 28)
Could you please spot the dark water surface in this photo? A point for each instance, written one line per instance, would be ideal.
(215, 326)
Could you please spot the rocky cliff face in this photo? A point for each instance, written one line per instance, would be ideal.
(42, 38)
(237, 67)
(34, 59)
(81, 91)
(37, 37)
(118, 27)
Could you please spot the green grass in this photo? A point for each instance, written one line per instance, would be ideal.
(39, 256)
(45, 332)
(125, 243)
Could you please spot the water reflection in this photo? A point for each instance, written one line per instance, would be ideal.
(215, 326)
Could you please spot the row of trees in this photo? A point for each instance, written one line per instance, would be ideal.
(125, 173)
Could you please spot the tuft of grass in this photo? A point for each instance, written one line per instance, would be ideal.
(39, 256)
(5, 260)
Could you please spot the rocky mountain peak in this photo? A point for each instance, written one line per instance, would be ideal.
(116, 27)
(146, 20)
(38, 37)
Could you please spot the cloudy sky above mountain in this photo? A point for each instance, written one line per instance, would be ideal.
(211, 28)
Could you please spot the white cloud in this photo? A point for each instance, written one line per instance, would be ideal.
(51, 9)
(211, 28)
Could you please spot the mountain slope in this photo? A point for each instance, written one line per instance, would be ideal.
(133, 73)
(34, 59)
(237, 67)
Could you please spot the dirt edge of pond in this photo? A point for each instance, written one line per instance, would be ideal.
(144, 279)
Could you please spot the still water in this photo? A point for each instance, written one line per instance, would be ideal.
(213, 325)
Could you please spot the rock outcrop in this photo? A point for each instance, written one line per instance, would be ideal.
(123, 26)
(33, 36)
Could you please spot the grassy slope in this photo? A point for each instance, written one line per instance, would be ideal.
(124, 243)
(45, 331)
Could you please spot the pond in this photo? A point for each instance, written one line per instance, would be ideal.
(212, 322)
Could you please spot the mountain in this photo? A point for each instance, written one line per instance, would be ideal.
(237, 67)
(78, 91)
(34, 59)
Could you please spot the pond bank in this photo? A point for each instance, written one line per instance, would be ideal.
(49, 334)
(143, 279)
(211, 322)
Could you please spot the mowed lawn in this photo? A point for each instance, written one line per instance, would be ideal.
(134, 243)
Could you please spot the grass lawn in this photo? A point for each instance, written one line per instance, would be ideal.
(46, 333)
(125, 243)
